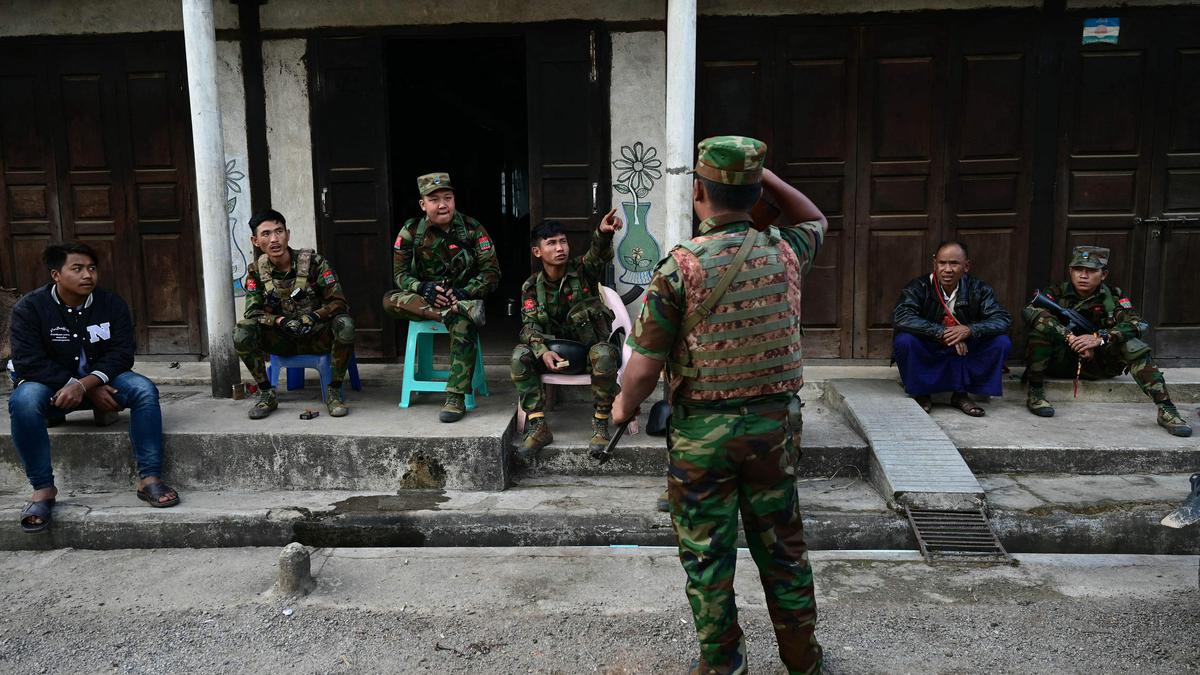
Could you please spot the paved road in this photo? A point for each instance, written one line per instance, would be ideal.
(573, 610)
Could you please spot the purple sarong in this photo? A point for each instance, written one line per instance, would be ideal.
(927, 367)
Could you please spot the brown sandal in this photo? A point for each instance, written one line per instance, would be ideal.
(965, 404)
(925, 402)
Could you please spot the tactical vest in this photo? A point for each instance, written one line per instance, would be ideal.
(459, 264)
(291, 296)
(588, 319)
(750, 344)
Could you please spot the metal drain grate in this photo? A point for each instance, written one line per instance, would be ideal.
(956, 536)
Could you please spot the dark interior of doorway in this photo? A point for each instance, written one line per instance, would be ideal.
(458, 105)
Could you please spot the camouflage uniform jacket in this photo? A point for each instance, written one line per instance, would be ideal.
(656, 334)
(1108, 308)
(546, 306)
(267, 301)
(462, 256)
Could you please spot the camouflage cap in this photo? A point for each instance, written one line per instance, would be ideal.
(432, 182)
(1095, 257)
(731, 160)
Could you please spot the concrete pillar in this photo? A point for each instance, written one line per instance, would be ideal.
(200, 43)
(681, 119)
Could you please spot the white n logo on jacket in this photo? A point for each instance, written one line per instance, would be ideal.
(100, 332)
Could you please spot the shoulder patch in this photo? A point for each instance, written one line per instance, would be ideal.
(328, 278)
(484, 243)
(1124, 302)
(251, 284)
(399, 241)
(530, 304)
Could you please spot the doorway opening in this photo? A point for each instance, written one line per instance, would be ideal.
(458, 105)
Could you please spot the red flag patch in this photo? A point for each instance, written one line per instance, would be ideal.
(529, 304)
(399, 239)
(485, 244)
(1124, 302)
(327, 278)
(251, 284)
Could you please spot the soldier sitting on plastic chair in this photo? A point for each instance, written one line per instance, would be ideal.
(563, 301)
(294, 305)
(444, 265)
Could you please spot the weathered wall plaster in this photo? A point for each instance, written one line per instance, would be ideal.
(289, 138)
(81, 17)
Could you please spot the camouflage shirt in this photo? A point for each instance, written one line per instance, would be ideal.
(656, 332)
(321, 293)
(462, 256)
(1108, 308)
(580, 283)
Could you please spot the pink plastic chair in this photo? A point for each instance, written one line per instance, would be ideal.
(550, 380)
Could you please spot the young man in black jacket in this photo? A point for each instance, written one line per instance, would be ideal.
(950, 333)
(72, 347)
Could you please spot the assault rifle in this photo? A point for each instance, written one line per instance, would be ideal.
(1074, 322)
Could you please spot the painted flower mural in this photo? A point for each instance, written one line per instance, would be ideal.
(638, 168)
(233, 188)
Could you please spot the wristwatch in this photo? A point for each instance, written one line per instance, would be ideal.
(1103, 335)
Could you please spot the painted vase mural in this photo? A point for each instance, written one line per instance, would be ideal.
(637, 170)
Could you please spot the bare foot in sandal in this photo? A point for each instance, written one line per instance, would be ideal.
(35, 517)
(924, 401)
(964, 403)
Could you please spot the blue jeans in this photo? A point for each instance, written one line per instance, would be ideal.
(29, 407)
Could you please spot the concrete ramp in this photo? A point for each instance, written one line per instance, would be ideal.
(913, 463)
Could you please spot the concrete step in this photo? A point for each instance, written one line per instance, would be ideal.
(829, 444)
(1056, 513)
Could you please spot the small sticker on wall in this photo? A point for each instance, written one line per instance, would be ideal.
(1101, 30)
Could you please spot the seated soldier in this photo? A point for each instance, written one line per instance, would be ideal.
(294, 305)
(564, 302)
(72, 346)
(1116, 348)
(444, 265)
(951, 334)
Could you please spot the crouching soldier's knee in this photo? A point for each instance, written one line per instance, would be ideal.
(604, 359)
(245, 336)
(1042, 325)
(343, 329)
(523, 364)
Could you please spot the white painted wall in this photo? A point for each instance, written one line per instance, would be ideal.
(81, 17)
(289, 138)
(637, 102)
(237, 175)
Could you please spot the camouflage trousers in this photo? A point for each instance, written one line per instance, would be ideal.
(1047, 353)
(253, 341)
(603, 362)
(463, 333)
(721, 464)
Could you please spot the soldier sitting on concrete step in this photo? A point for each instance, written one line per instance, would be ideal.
(564, 302)
(294, 305)
(444, 266)
(1117, 347)
(72, 346)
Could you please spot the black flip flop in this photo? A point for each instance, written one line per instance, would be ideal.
(154, 492)
(38, 509)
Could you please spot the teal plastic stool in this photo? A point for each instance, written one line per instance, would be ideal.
(419, 374)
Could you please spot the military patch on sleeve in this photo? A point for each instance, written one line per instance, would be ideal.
(251, 284)
(485, 244)
(529, 305)
(327, 278)
(399, 240)
(1124, 302)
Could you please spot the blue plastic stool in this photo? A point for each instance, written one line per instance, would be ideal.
(419, 374)
(320, 362)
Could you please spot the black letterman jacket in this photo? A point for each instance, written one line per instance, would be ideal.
(47, 337)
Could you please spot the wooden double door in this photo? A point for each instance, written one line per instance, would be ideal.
(911, 131)
(95, 146)
(903, 135)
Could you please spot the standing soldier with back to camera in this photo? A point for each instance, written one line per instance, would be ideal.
(733, 348)
(1117, 346)
(444, 265)
(294, 305)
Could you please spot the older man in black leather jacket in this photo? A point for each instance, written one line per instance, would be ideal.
(951, 334)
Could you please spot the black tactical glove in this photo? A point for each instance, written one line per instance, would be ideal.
(459, 294)
(428, 290)
(299, 326)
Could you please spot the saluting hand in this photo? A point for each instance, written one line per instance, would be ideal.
(611, 222)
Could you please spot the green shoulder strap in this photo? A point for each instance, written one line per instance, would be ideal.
(705, 309)
(303, 267)
(418, 238)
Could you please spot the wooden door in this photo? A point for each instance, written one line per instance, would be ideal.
(989, 151)
(349, 131)
(1169, 300)
(103, 156)
(901, 172)
(568, 129)
(815, 133)
(29, 212)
